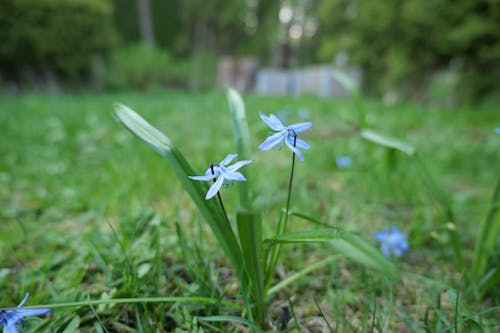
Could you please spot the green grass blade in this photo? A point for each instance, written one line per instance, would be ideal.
(388, 142)
(300, 274)
(137, 300)
(274, 252)
(209, 209)
(243, 141)
(345, 242)
(443, 198)
(487, 234)
(250, 234)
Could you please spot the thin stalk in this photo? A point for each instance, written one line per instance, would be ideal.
(275, 251)
(242, 276)
(291, 181)
(195, 300)
(222, 207)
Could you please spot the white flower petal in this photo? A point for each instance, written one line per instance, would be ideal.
(295, 150)
(230, 175)
(273, 140)
(272, 121)
(238, 165)
(206, 177)
(214, 188)
(228, 159)
(300, 127)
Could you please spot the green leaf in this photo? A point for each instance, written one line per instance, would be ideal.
(487, 235)
(250, 234)
(345, 242)
(71, 325)
(210, 209)
(243, 142)
(472, 326)
(388, 142)
(300, 274)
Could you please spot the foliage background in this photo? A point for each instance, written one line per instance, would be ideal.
(436, 49)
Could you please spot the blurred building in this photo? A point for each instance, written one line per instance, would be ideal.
(244, 75)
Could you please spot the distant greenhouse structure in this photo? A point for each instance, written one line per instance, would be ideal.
(245, 75)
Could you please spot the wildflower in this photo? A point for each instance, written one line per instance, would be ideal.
(392, 242)
(9, 318)
(285, 134)
(224, 174)
(497, 130)
(343, 161)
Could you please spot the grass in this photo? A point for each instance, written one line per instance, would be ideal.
(89, 212)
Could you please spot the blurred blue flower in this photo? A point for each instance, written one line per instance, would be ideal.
(285, 113)
(285, 134)
(303, 113)
(392, 241)
(224, 174)
(497, 130)
(9, 318)
(343, 161)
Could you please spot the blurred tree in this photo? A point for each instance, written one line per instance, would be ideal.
(400, 45)
(145, 21)
(222, 27)
(164, 20)
(53, 36)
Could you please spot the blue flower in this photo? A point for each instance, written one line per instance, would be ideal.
(224, 174)
(285, 134)
(343, 161)
(392, 242)
(497, 130)
(9, 318)
(303, 113)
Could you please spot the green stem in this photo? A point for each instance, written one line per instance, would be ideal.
(275, 251)
(223, 208)
(127, 301)
(290, 183)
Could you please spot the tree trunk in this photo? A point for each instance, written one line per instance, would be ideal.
(145, 21)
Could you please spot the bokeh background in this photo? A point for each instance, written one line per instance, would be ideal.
(442, 51)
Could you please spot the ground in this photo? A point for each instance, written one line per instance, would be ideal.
(89, 211)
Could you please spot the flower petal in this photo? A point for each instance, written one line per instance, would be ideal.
(238, 165)
(381, 236)
(298, 142)
(272, 121)
(302, 144)
(24, 300)
(214, 188)
(32, 312)
(300, 127)
(10, 328)
(272, 140)
(206, 177)
(295, 150)
(386, 249)
(228, 159)
(231, 175)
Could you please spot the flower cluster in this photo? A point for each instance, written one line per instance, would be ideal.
(10, 318)
(392, 241)
(225, 175)
(343, 161)
(284, 135)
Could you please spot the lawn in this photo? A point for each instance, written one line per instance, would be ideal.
(91, 213)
